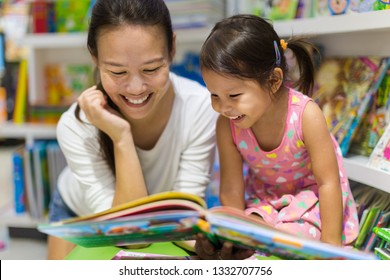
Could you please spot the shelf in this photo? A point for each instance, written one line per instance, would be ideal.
(356, 34)
(79, 39)
(331, 25)
(29, 131)
(357, 170)
(55, 40)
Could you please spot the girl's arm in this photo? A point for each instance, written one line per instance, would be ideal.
(319, 144)
(232, 182)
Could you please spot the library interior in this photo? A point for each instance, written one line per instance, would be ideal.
(45, 64)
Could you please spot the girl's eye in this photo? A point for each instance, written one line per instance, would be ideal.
(235, 95)
(214, 96)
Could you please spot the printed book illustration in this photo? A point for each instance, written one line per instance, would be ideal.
(174, 216)
(380, 157)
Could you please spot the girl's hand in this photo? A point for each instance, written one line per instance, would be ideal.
(93, 102)
(206, 251)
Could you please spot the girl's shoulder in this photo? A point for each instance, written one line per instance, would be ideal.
(297, 97)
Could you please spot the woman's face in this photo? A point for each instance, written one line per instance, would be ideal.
(134, 62)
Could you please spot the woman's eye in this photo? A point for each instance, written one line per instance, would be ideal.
(151, 70)
(118, 73)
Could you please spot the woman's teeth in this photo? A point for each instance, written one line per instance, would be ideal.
(136, 101)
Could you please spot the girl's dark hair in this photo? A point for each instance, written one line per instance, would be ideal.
(111, 14)
(243, 46)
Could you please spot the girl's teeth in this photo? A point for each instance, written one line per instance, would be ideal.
(137, 101)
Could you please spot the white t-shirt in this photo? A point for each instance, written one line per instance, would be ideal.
(181, 160)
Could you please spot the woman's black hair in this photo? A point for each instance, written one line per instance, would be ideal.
(112, 14)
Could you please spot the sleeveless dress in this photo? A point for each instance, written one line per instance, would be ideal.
(280, 184)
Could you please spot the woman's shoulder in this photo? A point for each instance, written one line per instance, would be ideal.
(187, 88)
(68, 124)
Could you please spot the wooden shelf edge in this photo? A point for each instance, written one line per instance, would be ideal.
(357, 170)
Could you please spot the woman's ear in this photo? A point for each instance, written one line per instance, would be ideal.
(276, 79)
(173, 52)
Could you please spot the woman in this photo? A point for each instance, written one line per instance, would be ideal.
(141, 129)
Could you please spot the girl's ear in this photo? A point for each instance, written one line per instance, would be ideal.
(276, 80)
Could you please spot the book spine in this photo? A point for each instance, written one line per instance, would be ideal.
(21, 94)
(18, 178)
(383, 233)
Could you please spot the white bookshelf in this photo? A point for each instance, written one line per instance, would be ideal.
(343, 35)
(27, 131)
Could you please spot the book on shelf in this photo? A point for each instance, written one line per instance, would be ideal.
(18, 179)
(344, 89)
(367, 225)
(383, 248)
(383, 253)
(175, 216)
(20, 108)
(374, 121)
(373, 239)
(380, 156)
(382, 233)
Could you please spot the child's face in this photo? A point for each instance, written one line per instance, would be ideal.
(242, 101)
(133, 62)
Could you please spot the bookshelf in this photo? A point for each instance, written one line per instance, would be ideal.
(348, 35)
(342, 35)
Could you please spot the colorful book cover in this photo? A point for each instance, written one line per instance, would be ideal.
(382, 233)
(367, 226)
(343, 90)
(283, 10)
(383, 221)
(173, 216)
(18, 179)
(19, 115)
(40, 168)
(31, 194)
(380, 156)
(383, 253)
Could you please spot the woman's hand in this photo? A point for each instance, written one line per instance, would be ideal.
(206, 251)
(94, 104)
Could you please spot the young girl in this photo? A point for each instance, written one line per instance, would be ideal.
(141, 130)
(296, 180)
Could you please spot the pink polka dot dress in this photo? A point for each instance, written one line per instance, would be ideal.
(280, 184)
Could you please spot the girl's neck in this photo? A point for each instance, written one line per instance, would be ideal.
(269, 130)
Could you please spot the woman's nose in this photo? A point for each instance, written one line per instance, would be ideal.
(135, 85)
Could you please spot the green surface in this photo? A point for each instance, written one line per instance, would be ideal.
(107, 253)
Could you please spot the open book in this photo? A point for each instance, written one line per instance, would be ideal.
(175, 216)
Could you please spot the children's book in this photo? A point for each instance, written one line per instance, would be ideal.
(367, 225)
(383, 253)
(380, 156)
(383, 221)
(174, 216)
(344, 88)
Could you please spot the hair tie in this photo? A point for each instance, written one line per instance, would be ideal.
(277, 53)
(283, 44)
